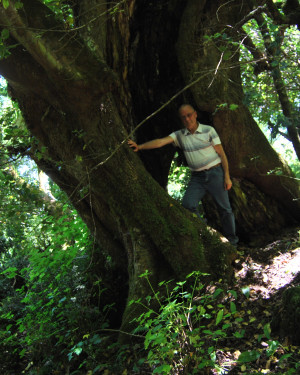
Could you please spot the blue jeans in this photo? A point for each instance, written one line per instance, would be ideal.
(211, 181)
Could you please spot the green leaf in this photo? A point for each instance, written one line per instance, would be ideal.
(11, 272)
(239, 335)
(18, 5)
(201, 310)
(227, 55)
(77, 351)
(22, 353)
(5, 34)
(232, 307)
(163, 369)
(246, 291)
(145, 274)
(219, 316)
(96, 339)
(273, 346)
(233, 292)
(194, 339)
(285, 356)
(5, 4)
(217, 292)
(233, 107)
(248, 356)
(267, 331)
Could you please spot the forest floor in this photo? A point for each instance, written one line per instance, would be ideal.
(267, 271)
(263, 272)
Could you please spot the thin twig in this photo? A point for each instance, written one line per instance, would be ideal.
(217, 15)
(216, 70)
(260, 9)
(119, 331)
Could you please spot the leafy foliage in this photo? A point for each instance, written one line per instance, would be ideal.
(51, 305)
(45, 309)
(268, 79)
(63, 10)
(192, 326)
(179, 176)
(15, 139)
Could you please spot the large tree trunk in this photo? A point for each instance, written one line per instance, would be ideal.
(264, 195)
(81, 92)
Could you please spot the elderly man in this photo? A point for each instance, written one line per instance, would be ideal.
(207, 160)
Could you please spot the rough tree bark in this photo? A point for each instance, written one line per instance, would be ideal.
(81, 92)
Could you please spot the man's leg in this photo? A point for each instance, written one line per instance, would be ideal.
(216, 188)
(194, 193)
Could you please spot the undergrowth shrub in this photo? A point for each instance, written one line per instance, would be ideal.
(47, 319)
(190, 331)
(183, 336)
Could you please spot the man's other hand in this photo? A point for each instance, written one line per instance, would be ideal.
(227, 183)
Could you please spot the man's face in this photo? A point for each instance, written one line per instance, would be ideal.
(188, 117)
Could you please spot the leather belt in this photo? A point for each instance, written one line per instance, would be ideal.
(215, 166)
(205, 170)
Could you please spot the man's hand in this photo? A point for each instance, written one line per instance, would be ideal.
(133, 145)
(227, 183)
(155, 143)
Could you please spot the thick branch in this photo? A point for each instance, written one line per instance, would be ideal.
(24, 75)
(291, 12)
(35, 27)
(31, 39)
(260, 58)
(274, 13)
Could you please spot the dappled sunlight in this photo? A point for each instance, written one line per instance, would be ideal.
(286, 266)
(271, 268)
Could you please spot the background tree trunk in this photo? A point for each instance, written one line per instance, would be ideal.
(81, 92)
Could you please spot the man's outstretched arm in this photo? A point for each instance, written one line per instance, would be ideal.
(155, 143)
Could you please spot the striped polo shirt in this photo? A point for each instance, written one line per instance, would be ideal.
(198, 147)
